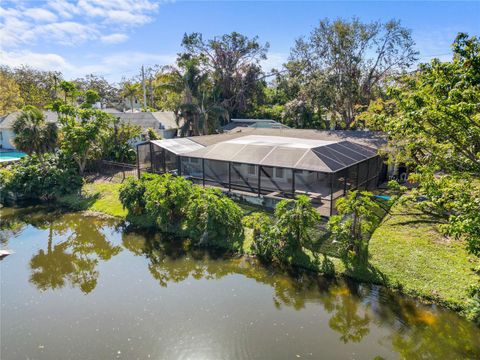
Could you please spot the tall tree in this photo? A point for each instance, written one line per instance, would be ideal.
(233, 62)
(37, 88)
(33, 135)
(10, 97)
(69, 91)
(82, 131)
(433, 116)
(358, 216)
(347, 62)
(109, 94)
(130, 90)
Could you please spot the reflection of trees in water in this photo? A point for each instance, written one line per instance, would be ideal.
(347, 319)
(353, 307)
(175, 261)
(74, 258)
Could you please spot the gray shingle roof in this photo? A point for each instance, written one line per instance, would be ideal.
(6, 122)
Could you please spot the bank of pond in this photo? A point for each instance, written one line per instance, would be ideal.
(75, 279)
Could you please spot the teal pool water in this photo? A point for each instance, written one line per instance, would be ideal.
(383, 197)
(11, 155)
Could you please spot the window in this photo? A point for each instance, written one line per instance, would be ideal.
(251, 169)
(194, 160)
(268, 171)
(279, 173)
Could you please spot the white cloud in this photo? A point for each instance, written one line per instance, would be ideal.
(35, 60)
(113, 66)
(39, 14)
(114, 38)
(70, 23)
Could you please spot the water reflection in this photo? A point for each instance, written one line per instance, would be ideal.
(73, 246)
(351, 322)
(73, 259)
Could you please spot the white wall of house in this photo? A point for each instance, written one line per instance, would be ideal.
(6, 139)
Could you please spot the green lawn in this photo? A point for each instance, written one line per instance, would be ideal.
(97, 197)
(409, 252)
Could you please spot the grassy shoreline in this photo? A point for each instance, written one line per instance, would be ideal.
(407, 251)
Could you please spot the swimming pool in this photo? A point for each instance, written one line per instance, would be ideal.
(11, 155)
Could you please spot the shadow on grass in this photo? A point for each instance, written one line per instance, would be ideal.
(364, 271)
(419, 221)
(79, 202)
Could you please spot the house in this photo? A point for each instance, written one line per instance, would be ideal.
(262, 165)
(237, 124)
(6, 132)
(163, 122)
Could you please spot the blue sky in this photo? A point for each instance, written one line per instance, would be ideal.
(114, 38)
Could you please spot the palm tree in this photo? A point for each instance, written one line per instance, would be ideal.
(130, 91)
(69, 89)
(33, 135)
(198, 113)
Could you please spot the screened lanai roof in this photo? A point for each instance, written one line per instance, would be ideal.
(178, 146)
(277, 151)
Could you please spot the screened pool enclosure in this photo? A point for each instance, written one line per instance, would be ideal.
(270, 166)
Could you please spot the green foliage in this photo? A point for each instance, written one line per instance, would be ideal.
(90, 98)
(132, 194)
(178, 207)
(10, 97)
(433, 117)
(264, 244)
(152, 134)
(473, 304)
(82, 131)
(357, 218)
(117, 141)
(166, 200)
(36, 87)
(231, 62)
(283, 238)
(214, 219)
(294, 219)
(69, 90)
(455, 197)
(130, 90)
(33, 135)
(32, 179)
(333, 68)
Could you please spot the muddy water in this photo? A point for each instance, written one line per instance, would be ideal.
(80, 287)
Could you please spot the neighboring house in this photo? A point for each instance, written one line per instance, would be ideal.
(6, 132)
(262, 165)
(163, 122)
(136, 105)
(235, 124)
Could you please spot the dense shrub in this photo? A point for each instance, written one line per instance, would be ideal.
(132, 194)
(264, 244)
(35, 179)
(214, 219)
(178, 207)
(132, 197)
(283, 238)
(166, 199)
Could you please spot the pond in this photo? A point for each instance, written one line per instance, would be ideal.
(81, 287)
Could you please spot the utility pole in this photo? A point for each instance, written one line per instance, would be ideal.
(144, 89)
